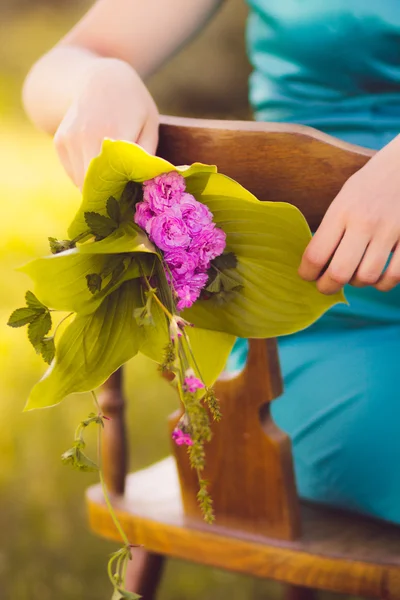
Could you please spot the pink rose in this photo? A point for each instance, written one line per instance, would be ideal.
(209, 244)
(181, 261)
(143, 214)
(168, 231)
(163, 191)
(195, 214)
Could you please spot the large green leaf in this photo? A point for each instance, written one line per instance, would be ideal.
(108, 174)
(60, 279)
(90, 349)
(211, 350)
(268, 240)
(127, 238)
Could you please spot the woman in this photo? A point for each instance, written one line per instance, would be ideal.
(333, 65)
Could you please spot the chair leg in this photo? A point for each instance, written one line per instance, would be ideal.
(144, 573)
(295, 592)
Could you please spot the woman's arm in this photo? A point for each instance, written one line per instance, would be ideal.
(89, 86)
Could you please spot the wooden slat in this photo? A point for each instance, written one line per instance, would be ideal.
(338, 552)
(275, 161)
(248, 461)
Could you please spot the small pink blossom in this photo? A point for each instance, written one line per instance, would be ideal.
(143, 214)
(163, 191)
(195, 214)
(176, 326)
(168, 231)
(209, 244)
(192, 383)
(187, 296)
(181, 439)
(181, 262)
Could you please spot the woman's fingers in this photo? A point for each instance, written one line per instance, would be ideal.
(321, 248)
(374, 261)
(345, 262)
(391, 277)
(148, 138)
(60, 144)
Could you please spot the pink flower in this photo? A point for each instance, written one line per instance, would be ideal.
(195, 214)
(192, 383)
(180, 438)
(209, 244)
(163, 191)
(187, 296)
(188, 288)
(143, 214)
(176, 326)
(168, 231)
(181, 262)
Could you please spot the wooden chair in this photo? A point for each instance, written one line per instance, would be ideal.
(261, 527)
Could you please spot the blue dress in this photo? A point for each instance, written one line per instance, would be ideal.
(335, 65)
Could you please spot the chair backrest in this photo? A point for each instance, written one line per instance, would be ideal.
(249, 461)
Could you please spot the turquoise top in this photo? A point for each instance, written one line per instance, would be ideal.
(335, 65)
(332, 64)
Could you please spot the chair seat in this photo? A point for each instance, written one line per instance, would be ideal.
(340, 552)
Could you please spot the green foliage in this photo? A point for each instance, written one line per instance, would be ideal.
(108, 175)
(91, 348)
(93, 281)
(69, 291)
(37, 316)
(99, 225)
(113, 210)
(39, 328)
(22, 316)
(57, 246)
(120, 594)
(77, 459)
(47, 349)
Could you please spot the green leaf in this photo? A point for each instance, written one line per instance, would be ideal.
(120, 594)
(39, 328)
(268, 240)
(127, 238)
(91, 348)
(228, 282)
(60, 279)
(118, 163)
(57, 246)
(211, 350)
(227, 260)
(47, 349)
(22, 316)
(113, 209)
(33, 302)
(131, 195)
(77, 459)
(93, 281)
(215, 286)
(100, 225)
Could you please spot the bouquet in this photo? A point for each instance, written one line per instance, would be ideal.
(171, 262)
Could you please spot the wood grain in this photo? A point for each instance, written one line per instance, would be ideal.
(275, 161)
(114, 438)
(249, 460)
(337, 552)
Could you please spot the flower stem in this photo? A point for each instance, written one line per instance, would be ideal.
(103, 483)
(62, 321)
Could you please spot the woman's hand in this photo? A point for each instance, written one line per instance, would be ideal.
(360, 230)
(111, 102)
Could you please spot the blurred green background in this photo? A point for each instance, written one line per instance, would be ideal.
(46, 549)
